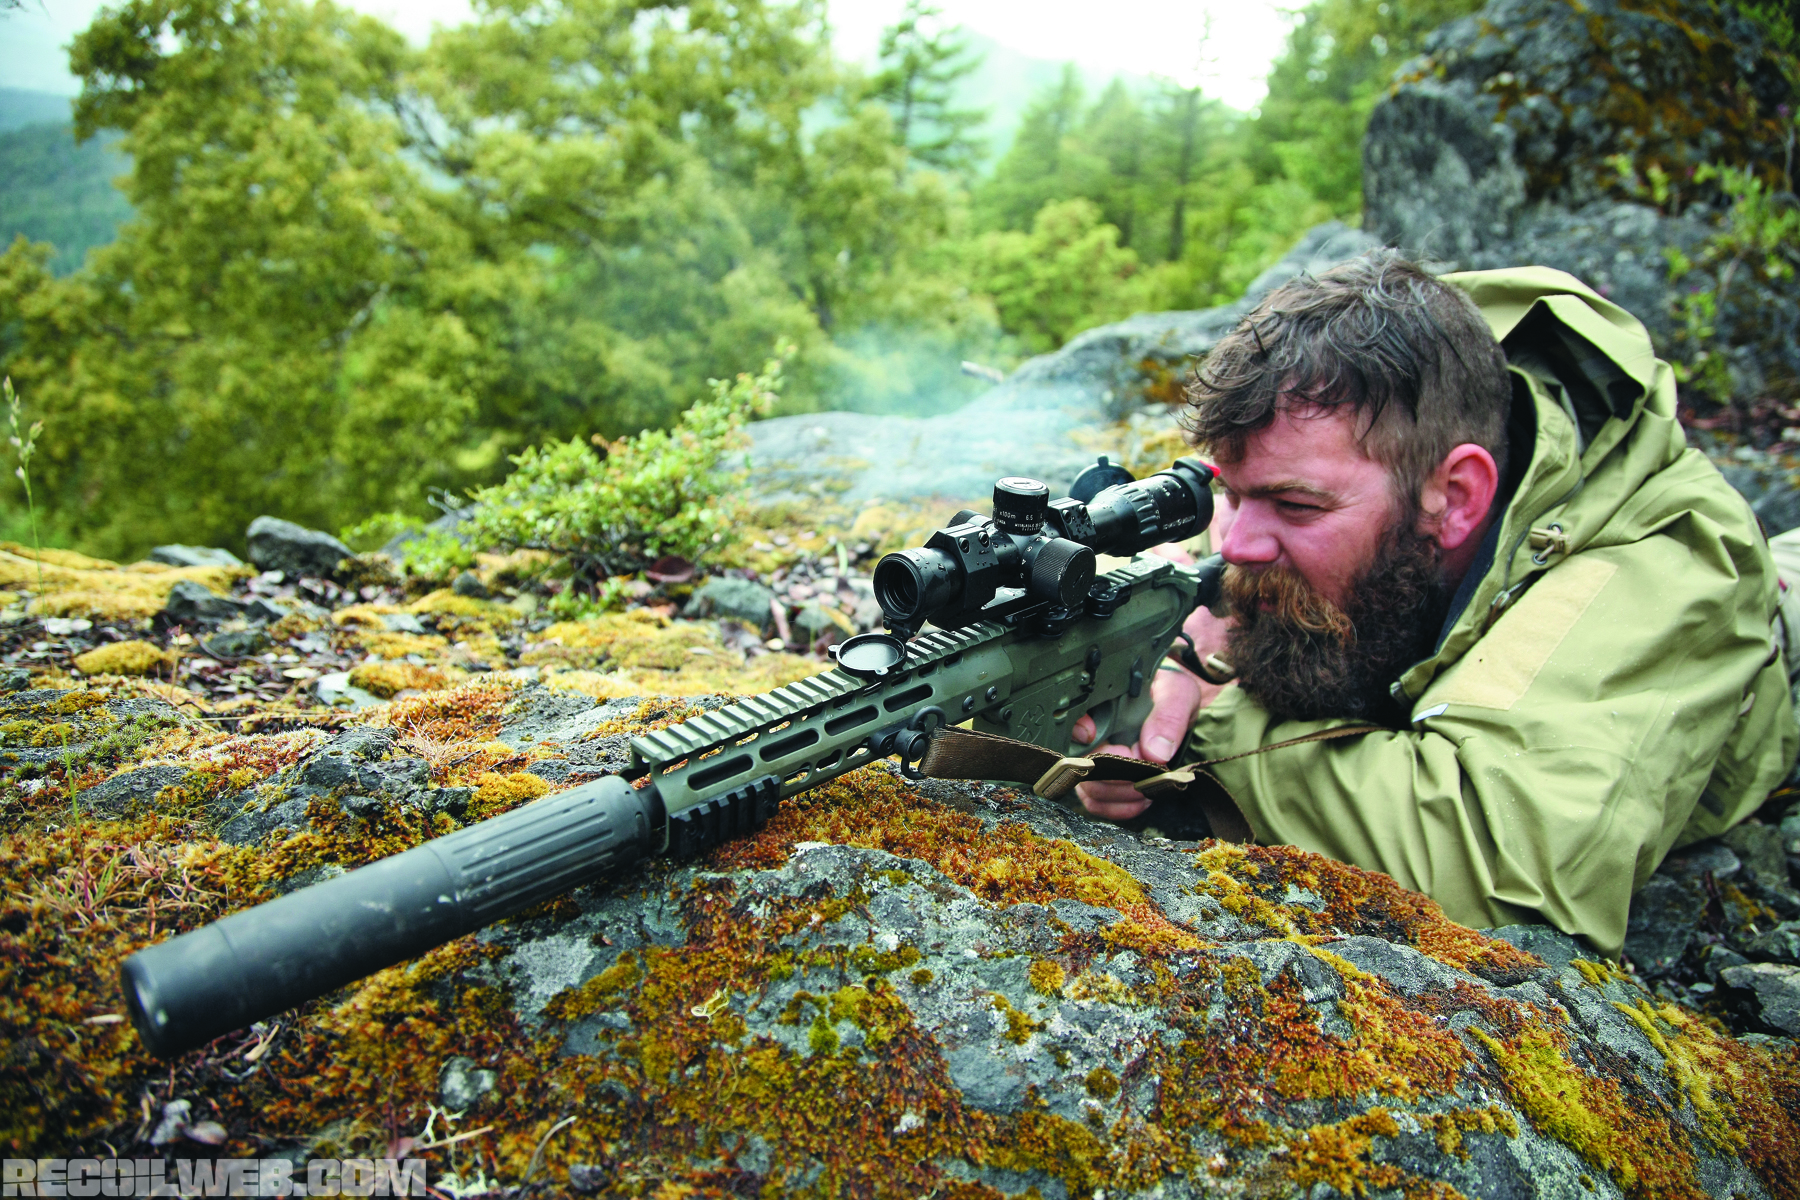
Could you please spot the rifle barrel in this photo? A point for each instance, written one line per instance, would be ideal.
(251, 965)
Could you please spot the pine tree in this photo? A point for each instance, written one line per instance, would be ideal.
(922, 62)
(1038, 167)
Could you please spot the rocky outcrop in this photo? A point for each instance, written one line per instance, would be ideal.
(896, 988)
(1500, 148)
(1040, 422)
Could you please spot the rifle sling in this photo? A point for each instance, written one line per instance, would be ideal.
(956, 753)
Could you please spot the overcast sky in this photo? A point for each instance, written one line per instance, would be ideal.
(1142, 37)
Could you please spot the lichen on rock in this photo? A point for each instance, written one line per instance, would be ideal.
(893, 989)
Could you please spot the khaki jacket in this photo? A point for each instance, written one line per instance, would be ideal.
(1610, 691)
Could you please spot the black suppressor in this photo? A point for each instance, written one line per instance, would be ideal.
(186, 991)
(1045, 548)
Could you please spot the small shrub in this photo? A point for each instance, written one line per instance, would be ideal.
(612, 508)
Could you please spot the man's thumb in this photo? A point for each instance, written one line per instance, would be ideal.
(1177, 697)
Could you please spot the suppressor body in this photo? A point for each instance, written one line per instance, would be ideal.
(253, 964)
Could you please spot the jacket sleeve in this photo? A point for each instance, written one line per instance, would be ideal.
(1548, 771)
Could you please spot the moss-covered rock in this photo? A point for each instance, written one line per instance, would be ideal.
(893, 989)
(125, 658)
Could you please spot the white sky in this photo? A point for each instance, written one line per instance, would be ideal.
(1140, 37)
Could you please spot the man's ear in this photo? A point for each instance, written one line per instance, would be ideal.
(1455, 502)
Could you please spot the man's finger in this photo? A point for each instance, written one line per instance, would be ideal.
(1111, 800)
(1083, 733)
(1175, 698)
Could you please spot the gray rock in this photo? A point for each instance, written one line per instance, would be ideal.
(294, 550)
(586, 1179)
(194, 556)
(1495, 150)
(131, 792)
(1700, 860)
(1780, 944)
(1758, 848)
(1411, 972)
(1555, 947)
(336, 690)
(740, 599)
(1790, 833)
(1717, 958)
(1771, 991)
(462, 1084)
(14, 679)
(1665, 916)
(468, 583)
(191, 603)
(402, 623)
(813, 620)
(259, 609)
(236, 643)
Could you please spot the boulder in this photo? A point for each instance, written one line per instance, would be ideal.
(1770, 992)
(468, 583)
(195, 556)
(358, 769)
(191, 603)
(1497, 149)
(294, 550)
(1012, 996)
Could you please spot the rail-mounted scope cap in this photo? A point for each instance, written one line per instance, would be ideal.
(1020, 505)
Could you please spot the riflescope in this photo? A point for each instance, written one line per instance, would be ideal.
(1035, 553)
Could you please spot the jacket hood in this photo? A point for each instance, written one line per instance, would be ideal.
(1594, 410)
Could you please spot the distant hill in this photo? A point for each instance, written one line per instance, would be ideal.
(52, 189)
(19, 108)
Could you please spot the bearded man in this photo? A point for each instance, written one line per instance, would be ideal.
(1469, 547)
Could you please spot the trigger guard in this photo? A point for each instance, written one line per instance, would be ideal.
(1103, 717)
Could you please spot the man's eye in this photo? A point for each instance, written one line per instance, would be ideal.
(1297, 507)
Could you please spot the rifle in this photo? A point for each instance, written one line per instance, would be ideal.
(1027, 638)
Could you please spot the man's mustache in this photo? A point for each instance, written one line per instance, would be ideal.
(1280, 594)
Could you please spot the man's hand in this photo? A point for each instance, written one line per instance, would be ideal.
(1175, 696)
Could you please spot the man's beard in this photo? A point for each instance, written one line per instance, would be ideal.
(1304, 658)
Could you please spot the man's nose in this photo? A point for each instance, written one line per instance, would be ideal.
(1249, 539)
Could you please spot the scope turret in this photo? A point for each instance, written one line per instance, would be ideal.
(1043, 550)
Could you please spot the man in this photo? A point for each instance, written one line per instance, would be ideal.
(1465, 530)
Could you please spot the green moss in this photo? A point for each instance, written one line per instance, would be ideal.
(871, 961)
(1102, 1084)
(1019, 1027)
(821, 1036)
(1047, 977)
(1639, 1150)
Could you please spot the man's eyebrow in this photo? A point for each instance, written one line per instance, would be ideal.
(1287, 487)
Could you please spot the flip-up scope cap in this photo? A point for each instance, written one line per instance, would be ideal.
(870, 655)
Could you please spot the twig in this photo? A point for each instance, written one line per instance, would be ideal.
(453, 1138)
(537, 1156)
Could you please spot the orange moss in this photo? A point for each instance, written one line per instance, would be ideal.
(495, 793)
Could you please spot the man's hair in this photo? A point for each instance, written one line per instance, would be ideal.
(1409, 355)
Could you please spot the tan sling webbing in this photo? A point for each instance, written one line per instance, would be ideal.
(964, 754)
